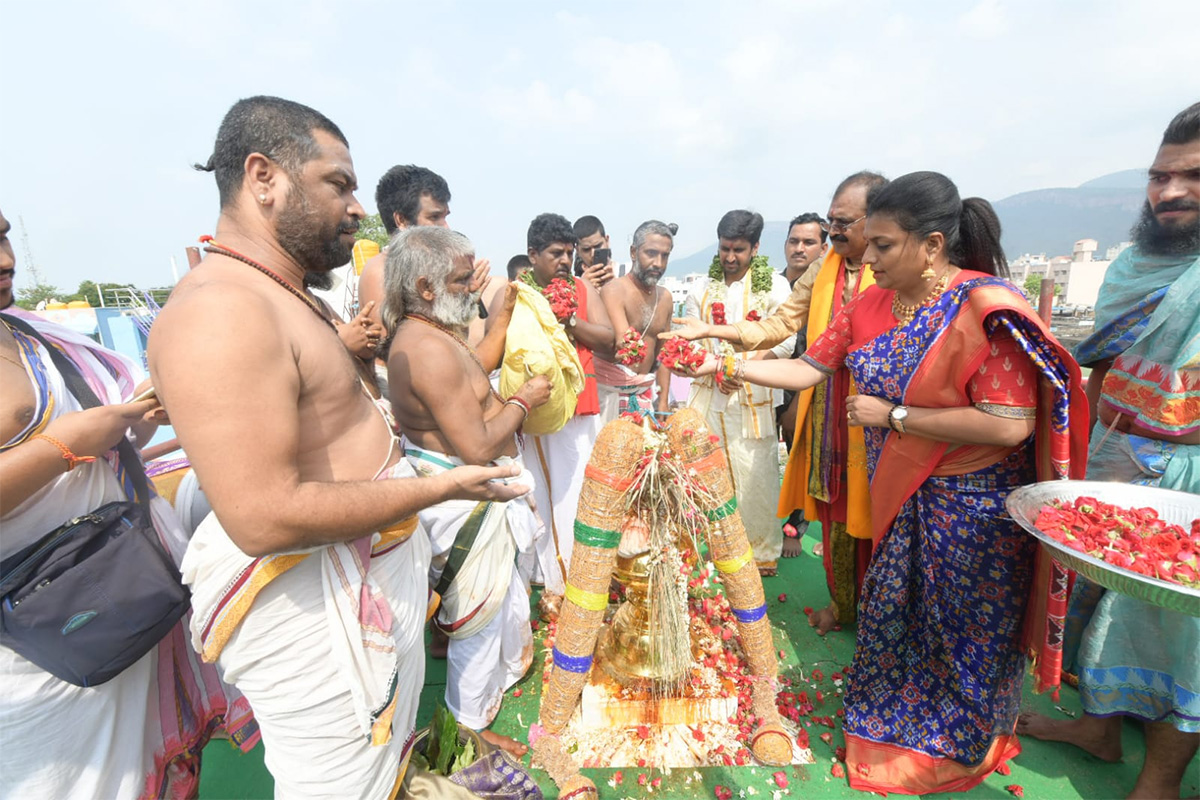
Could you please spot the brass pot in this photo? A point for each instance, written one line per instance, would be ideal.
(626, 644)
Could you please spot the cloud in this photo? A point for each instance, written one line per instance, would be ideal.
(987, 20)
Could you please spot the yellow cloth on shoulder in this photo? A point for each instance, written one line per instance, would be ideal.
(794, 492)
(536, 344)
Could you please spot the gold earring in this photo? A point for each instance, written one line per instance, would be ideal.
(928, 273)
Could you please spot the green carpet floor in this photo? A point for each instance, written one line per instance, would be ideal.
(1044, 769)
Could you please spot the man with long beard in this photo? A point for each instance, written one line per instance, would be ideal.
(310, 581)
(1134, 659)
(443, 400)
(827, 471)
(635, 302)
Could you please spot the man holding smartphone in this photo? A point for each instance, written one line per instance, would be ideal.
(593, 256)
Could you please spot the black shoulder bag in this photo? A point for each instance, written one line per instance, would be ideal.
(90, 598)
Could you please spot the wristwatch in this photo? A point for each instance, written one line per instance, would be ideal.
(896, 418)
(571, 320)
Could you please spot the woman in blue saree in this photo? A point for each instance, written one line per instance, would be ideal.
(963, 396)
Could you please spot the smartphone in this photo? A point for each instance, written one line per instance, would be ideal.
(146, 395)
(601, 255)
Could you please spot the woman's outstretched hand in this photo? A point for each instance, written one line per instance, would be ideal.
(689, 328)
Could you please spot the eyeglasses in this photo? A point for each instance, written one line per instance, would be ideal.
(840, 225)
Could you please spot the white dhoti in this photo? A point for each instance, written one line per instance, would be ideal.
(557, 462)
(620, 388)
(485, 605)
(326, 644)
(746, 426)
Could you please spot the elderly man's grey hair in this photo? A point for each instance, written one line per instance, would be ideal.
(413, 253)
(653, 227)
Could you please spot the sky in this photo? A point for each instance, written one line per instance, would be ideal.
(626, 110)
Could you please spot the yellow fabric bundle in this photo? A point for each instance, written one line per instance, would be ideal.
(364, 250)
(537, 345)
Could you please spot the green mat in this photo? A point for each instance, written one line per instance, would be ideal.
(1043, 770)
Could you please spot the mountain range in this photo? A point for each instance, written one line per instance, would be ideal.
(1046, 221)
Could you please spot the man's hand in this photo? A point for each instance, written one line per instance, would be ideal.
(481, 277)
(536, 391)
(598, 274)
(95, 431)
(362, 335)
(511, 290)
(487, 483)
(690, 329)
(865, 411)
(730, 385)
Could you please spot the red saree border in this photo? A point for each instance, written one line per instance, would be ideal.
(888, 768)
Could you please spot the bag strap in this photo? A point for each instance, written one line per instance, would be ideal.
(78, 386)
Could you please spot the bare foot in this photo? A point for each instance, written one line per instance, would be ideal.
(548, 606)
(438, 642)
(509, 745)
(768, 572)
(824, 620)
(1097, 735)
(792, 547)
(819, 549)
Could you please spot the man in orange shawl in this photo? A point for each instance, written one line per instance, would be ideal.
(827, 469)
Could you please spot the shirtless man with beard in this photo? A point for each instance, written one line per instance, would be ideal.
(308, 582)
(483, 552)
(636, 301)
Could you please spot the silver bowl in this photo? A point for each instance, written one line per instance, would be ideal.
(1180, 508)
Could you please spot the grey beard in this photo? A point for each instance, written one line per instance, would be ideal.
(455, 310)
(646, 278)
(1155, 239)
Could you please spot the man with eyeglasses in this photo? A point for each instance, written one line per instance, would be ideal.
(826, 472)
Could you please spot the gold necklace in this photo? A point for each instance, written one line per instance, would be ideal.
(905, 312)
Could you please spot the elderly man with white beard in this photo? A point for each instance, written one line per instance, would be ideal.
(450, 414)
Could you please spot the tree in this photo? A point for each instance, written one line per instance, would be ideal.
(91, 291)
(1033, 287)
(371, 227)
(28, 297)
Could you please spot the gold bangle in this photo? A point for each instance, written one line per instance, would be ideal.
(71, 459)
